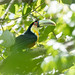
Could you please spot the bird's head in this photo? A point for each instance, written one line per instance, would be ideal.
(35, 26)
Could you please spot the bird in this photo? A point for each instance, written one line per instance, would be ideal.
(29, 38)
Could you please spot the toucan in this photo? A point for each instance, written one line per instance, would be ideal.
(30, 37)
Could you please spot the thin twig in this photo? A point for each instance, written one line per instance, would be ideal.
(38, 7)
(39, 14)
(55, 35)
(34, 9)
(6, 11)
(26, 14)
(11, 2)
(59, 1)
(34, 16)
(2, 56)
(1, 26)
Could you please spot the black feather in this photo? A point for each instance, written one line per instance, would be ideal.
(24, 41)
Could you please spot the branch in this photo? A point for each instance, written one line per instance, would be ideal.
(24, 15)
(4, 1)
(11, 2)
(2, 56)
(34, 9)
(16, 1)
(55, 35)
(6, 11)
(38, 6)
(39, 14)
(59, 1)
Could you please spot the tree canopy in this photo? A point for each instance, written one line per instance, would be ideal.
(54, 53)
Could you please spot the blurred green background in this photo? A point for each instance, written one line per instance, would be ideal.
(54, 53)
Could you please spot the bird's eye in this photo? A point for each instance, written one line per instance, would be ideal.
(35, 23)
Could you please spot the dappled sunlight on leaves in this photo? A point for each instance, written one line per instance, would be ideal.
(54, 53)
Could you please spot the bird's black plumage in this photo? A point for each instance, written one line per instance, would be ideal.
(26, 40)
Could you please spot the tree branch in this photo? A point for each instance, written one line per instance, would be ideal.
(55, 35)
(2, 56)
(24, 15)
(4, 1)
(39, 14)
(38, 6)
(16, 1)
(11, 2)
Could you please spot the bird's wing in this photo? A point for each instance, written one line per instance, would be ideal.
(24, 41)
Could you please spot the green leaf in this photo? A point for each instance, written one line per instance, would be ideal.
(26, 10)
(48, 64)
(8, 39)
(73, 1)
(73, 17)
(71, 71)
(44, 32)
(22, 63)
(67, 30)
(12, 9)
(67, 1)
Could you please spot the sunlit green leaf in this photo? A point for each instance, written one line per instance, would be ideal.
(71, 71)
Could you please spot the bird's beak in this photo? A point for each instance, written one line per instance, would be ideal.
(46, 23)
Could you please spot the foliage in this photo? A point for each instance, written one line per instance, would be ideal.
(54, 53)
